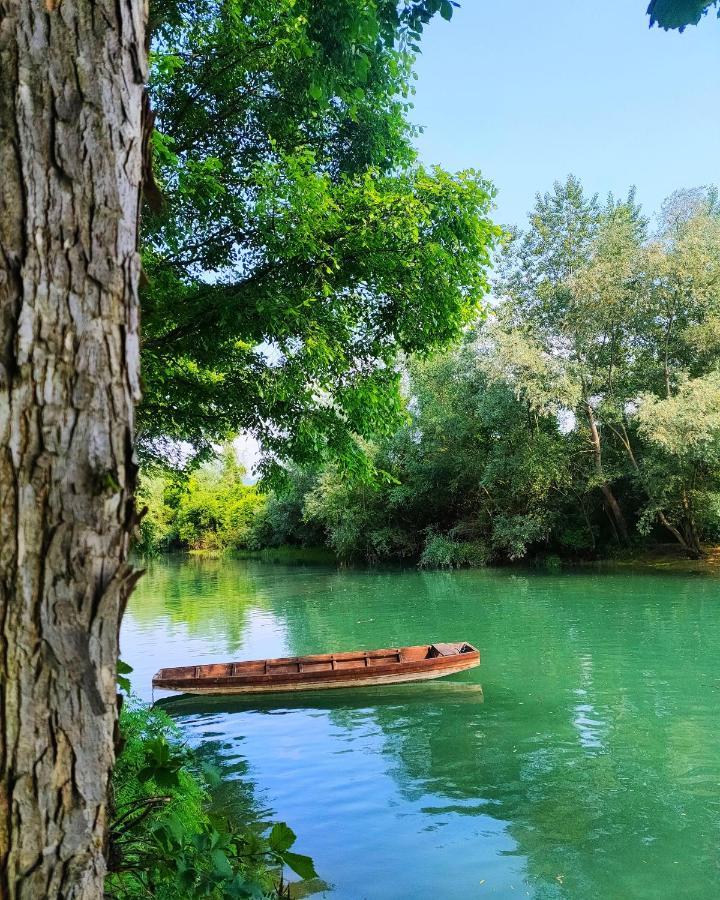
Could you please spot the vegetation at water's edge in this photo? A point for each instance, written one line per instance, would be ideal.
(164, 840)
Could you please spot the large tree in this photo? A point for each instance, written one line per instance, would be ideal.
(299, 248)
(72, 155)
(598, 320)
(71, 84)
(557, 337)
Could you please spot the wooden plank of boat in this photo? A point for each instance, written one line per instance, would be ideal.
(328, 670)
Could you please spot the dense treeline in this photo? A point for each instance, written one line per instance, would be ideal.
(582, 413)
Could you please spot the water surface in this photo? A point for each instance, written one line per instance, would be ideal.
(588, 766)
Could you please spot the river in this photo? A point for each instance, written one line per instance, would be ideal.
(581, 760)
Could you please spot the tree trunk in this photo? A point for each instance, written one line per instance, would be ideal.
(690, 543)
(71, 82)
(693, 551)
(692, 539)
(611, 503)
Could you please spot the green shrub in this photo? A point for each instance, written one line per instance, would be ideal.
(282, 522)
(164, 842)
(157, 528)
(551, 563)
(217, 510)
(444, 552)
(209, 509)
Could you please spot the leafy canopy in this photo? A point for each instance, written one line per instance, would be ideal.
(597, 372)
(678, 13)
(594, 377)
(300, 249)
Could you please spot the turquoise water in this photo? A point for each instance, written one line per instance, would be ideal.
(581, 760)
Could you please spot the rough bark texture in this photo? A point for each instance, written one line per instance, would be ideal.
(71, 80)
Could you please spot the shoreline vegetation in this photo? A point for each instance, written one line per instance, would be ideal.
(579, 420)
(164, 835)
(666, 558)
(213, 514)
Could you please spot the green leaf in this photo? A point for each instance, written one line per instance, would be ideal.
(315, 91)
(221, 864)
(300, 864)
(281, 837)
(253, 182)
(123, 669)
(175, 826)
(677, 13)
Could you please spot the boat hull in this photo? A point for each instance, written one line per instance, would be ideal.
(376, 670)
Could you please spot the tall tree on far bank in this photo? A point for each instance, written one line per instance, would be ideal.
(71, 155)
(601, 322)
(561, 332)
(677, 283)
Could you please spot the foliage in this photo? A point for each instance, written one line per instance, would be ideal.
(351, 513)
(564, 306)
(472, 477)
(209, 508)
(579, 414)
(683, 456)
(157, 495)
(282, 522)
(444, 552)
(300, 249)
(217, 511)
(678, 13)
(616, 315)
(164, 842)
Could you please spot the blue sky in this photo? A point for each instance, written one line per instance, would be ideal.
(530, 90)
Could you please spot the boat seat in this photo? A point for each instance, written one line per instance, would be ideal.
(444, 650)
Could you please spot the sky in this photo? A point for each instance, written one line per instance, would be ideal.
(528, 91)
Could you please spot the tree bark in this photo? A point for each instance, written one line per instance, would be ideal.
(611, 502)
(71, 82)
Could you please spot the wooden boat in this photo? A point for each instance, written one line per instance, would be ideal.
(358, 668)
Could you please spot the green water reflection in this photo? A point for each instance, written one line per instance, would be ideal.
(588, 765)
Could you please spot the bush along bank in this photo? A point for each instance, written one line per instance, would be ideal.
(166, 843)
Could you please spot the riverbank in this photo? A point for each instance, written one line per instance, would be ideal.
(662, 557)
(288, 554)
